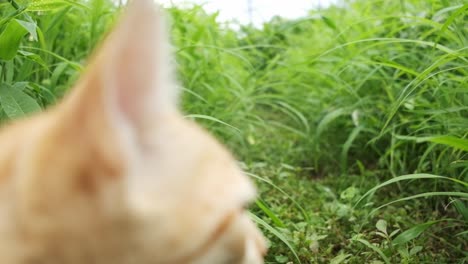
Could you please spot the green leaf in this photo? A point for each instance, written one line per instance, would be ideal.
(10, 39)
(328, 118)
(461, 208)
(46, 5)
(5, 18)
(412, 233)
(423, 195)
(415, 250)
(30, 27)
(329, 22)
(346, 147)
(374, 248)
(34, 57)
(270, 213)
(15, 102)
(340, 258)
(382, 226)
(213, 119)
(405, 178)
(394, 232)
(281, 259)
(20, 85)
(451, 141)
(9, 69)
(349, 194)
(50, 5)
(76, 66)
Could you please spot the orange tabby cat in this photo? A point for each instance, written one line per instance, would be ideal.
(115, 174)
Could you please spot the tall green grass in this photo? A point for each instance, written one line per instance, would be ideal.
(325, 111)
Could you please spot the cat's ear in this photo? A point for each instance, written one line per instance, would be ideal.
(128, 80)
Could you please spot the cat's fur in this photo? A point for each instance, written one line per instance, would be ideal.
(115, 174)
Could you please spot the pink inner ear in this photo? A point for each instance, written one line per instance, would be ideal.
(133, 52)
(134, 83)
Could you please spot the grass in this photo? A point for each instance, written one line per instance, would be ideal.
(353, 120)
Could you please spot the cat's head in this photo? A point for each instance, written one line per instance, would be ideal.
(115, 174)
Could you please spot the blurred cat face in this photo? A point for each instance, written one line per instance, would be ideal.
(115, 174)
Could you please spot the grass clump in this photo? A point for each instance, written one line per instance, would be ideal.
(353, 120)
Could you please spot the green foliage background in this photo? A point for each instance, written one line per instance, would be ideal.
(320, 110)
